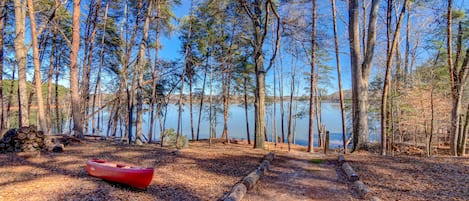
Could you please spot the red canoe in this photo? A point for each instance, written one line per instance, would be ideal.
(133, 176)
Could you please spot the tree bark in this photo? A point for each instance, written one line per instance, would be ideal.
(186, 52)
(75, 97)
(455, 109)
(246, 107)
(311, 80)
(10, 97)
(90, 29)
(202, 95)
(387, 80)
(259, 16)
(37, 68)
(154, 73)
(361, 72)
(97, 89)
(2, 28)
(140, 71)
(20, 15)
(339, 77)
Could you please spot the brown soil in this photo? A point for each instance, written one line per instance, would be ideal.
(413, 178)
(201, 172)
(302, 176)
(195, 173)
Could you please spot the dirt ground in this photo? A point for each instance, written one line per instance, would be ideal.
(201, 172)
(302, 176)
(195, 173)
(413, 178)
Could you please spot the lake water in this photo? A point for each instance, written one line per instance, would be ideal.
(331, 118)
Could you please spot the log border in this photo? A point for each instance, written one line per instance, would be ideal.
(358, 186)
(248, 182)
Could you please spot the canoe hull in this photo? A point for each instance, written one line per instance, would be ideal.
(133, 176)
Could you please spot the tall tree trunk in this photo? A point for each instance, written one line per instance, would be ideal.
(465, 131)
(52, 64)
(154, 72)
(226, 106)
(311, 81)
(37, 68)
(2, 28)
(202, 95)
(86, 72)
(454, 110)
(261, 10)
(290, 110)
(20, 15)
(186, 53)
(140, 71)
(97, 89)
(75, 97)
(59, 118)
(129, 93)
(339, 77)
(282, 108)
(190, 106)
(10, 97)
(432, 121)
(387, 80)
(407, 70)
(461, 81)
(361, 71)
(210, 113)
(245, 79)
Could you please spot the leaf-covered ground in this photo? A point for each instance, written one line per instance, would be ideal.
(201, 172)
(195, 173)
(413, 178)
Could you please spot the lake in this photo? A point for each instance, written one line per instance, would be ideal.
(331, 118)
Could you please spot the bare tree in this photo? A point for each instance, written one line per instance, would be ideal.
(387, 78)
(97, 89)
(2, 28)
(311, 79)
(339, 77)
(20, 15)
(361, 70)
(458, 77)
(140, 71)
(37, 67)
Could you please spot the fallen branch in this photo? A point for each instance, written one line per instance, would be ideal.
(240, 189)
(351, 175)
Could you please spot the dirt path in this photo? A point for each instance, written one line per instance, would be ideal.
(301, 176)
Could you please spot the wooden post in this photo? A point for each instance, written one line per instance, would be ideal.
(326, 142)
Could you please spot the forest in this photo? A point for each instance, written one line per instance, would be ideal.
(75, 73)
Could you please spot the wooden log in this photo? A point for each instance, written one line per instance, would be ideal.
(57, 148)
(252, 178)
(362, 190)
(21, 136)
(3, 132)
(264, 166)
(270, 156)
(31, 136)
(31, 154)
(237, 193)
(40, 134)
(351, 175)
(341, 159)
(32, 128)
(24, 129)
